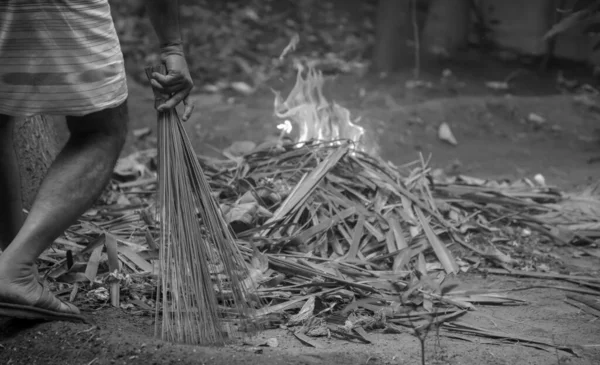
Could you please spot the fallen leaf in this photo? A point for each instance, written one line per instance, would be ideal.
(242, 87)
(260, 261)
(543, 268)
(110, 243)
(304, 314)
(129, 168)
(536, 119)
(93, 263)
(271, 342)
(142, 132)
(308, 341)
(240, 148)
(497, 85)
(241, 216)
(496, 255)
(413, 84)
(101, 294)
(445, 134)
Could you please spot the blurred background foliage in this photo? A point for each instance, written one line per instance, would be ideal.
(241, 40)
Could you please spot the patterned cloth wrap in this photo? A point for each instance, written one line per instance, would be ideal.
(59, 57)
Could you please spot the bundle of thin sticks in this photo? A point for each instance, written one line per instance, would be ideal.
(204, 281)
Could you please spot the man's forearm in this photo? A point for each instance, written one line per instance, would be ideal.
(164, 15)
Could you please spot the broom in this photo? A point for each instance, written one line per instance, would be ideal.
(204, 285)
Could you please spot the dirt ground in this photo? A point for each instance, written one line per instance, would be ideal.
(495, 140)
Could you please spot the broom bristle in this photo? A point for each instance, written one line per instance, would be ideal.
(204, 279)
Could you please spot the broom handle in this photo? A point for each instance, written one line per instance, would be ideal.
(159, 97)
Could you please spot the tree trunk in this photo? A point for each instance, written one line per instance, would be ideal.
(447, 27)
(393, 30)
(37, 142)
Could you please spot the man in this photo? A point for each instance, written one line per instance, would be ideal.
(63, 57)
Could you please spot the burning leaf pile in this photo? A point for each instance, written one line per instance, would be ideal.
(338, 241)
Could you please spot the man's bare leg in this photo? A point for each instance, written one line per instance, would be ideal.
(73, 182)
(11, 211)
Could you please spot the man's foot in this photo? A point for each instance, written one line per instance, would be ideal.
(19, 285)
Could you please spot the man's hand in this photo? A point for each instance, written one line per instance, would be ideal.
(177, 83)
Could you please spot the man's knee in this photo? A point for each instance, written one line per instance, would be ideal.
(109, 123)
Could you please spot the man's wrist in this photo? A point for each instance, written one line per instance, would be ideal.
(171, 48)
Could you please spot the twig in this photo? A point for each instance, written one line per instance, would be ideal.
(551, 42)
(540, 275)
(417, 40)
(585, 301)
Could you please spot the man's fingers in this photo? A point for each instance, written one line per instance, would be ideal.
(171, 77)
(169, 89)
(170, 80)
(163, 79)
(156, 85)
(171, 84)
(189, 108)
(172, 102)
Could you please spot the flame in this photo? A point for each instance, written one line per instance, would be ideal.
(285, 127)
(315, 117)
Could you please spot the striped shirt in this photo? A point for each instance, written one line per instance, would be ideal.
(59, 57)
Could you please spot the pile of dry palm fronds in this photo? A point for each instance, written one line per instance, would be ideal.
(341, 243)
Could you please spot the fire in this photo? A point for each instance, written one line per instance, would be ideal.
(285, 127)
(315, 117)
